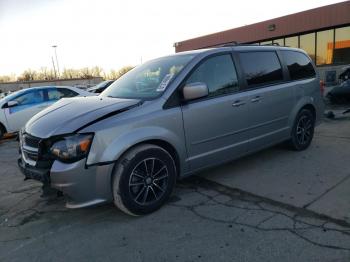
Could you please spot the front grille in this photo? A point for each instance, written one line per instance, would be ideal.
(30, 148)
(31, 141)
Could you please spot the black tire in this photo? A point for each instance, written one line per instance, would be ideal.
(303, 130)
(143, 179)
(331, 98)
(2, 132)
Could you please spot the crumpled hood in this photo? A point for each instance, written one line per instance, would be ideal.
(69, 115)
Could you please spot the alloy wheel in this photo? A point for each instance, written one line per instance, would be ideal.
(304, 130)
(148, 181)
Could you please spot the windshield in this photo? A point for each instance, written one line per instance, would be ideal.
(149, 80)
(13, 95)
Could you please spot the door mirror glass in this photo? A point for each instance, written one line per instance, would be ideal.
(195, 90)
(12, 103)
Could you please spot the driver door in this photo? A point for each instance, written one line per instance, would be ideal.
(216, 126)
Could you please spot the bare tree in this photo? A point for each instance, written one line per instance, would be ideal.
(113, 74)
(28, 75)
(68, 73)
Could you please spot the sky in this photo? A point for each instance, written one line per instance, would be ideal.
(113, 33)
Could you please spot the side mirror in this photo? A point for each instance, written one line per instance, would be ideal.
(12, 103)
(195, 90)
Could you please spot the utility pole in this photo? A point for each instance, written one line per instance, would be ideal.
(54, 68)
(58, 68)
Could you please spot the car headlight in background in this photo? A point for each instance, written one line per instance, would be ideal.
(71, 148)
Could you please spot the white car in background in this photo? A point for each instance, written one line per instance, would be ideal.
(18, 107)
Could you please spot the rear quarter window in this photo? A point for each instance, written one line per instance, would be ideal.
(299, 65)
(67, 92)
(261, 68)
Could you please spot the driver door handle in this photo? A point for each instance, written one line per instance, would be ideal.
(255, 99)
(238, 103)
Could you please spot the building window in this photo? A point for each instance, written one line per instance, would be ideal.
(279, 41)
(292, 41)
(261, 68)
(266, 42)
(307, 43)
(342, 46)
(324, 47)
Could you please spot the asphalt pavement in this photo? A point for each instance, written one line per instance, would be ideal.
(317, 179)
(203, 221)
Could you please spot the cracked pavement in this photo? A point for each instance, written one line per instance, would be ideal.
(203, 221)
(317, 179)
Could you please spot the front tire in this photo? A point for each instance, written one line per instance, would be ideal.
(2, 132)
(303, 130)
(143, 179)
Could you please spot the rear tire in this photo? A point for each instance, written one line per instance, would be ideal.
(143, 179)
(303, 130)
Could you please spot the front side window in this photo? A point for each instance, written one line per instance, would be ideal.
(218, 73)
(32, 97)
(261, 68)
(299, 65)
(148, 81)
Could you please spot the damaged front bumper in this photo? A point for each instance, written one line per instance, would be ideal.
(83, 186)
(30, 172)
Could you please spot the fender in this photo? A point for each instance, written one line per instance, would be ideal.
(128, 139)
(307, 100)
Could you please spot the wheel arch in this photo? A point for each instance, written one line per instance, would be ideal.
(2, 126)
(310, 107)
(305, 103)
(161, 143)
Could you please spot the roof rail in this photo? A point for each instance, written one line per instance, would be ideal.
(233, 43)
(276, 44)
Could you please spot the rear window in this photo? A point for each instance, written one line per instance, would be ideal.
(299, 65)
(261, 68)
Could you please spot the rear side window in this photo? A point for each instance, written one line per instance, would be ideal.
(218, 73)
(53, 94)
(56, 94)
(67, 92)
(299, 65)
(261, 68)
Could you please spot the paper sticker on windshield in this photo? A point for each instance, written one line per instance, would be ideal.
(164, 82)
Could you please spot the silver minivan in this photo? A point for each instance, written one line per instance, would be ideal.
(169, 118)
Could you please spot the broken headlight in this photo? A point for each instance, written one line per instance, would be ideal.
(71, 148)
